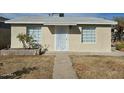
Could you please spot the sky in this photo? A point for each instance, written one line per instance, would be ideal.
(101, 15)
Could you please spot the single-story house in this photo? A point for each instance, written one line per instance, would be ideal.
(77, 34)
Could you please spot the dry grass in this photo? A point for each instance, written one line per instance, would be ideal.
(98, 67)
(26, 67)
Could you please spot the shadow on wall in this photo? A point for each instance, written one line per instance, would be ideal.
(52, 29)
(72, 30)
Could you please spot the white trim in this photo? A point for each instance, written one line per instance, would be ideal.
(68, 33)
(64, 23)
(55, 39)
(60, 24)
(67, 41)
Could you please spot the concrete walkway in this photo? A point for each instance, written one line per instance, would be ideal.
(63, 68)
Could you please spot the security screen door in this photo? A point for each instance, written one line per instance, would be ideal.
(61, 38)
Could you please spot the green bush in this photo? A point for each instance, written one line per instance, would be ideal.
(119, 46)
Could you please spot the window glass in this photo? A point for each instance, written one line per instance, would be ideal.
(88, 35)
(35, 32)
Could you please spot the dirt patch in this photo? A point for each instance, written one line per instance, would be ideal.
(26, 67)
(98, 67)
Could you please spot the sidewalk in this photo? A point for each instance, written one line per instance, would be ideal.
(63, 68)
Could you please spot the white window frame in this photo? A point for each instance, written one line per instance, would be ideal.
(82, 28)
(32, 26)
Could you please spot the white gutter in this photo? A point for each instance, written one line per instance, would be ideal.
(54, 23)
(60, 24)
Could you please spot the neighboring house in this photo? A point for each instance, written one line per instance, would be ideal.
(5, 34)
(77, 34)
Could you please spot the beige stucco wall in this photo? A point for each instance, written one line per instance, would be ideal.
(48, 34)
(47, 37)
(103, 41)
(15, 30)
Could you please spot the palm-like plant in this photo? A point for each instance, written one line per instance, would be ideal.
(29, 41)
(22, 38)
(26, 40)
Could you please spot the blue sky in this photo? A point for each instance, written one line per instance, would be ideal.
(103, 15)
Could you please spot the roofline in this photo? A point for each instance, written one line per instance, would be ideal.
(61, 23)
(23, 22)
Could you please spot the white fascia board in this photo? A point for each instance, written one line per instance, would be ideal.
(103, 23)
(60, 24)
(24, 22)
(96, 23)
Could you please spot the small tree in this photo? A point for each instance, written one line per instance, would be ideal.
(119, 34)
(26, 40)
(29, 41)
(22, 38)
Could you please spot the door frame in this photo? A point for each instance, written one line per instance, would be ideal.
(67, 41)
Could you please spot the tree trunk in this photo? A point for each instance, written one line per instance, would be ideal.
(24, 44)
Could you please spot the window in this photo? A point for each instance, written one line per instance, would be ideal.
(88, 35)
(35, 32)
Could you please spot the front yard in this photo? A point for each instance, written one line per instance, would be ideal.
(26, 67)
(98, 67)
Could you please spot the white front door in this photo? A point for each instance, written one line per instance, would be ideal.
(61, 38)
